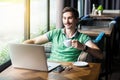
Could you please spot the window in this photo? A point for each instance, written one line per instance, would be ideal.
(12, 22)
(53, 13)
(39, 16)
(38, 13)
(11, 25)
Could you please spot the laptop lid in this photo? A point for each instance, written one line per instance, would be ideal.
(29, 56)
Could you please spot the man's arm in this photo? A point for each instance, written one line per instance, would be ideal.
(92, 48)
(38, 40)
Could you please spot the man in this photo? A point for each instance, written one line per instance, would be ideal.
(79, 42)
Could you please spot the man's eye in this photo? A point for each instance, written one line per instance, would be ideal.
(64, 18)
(70, 17)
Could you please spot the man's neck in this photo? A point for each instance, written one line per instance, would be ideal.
(69, 33)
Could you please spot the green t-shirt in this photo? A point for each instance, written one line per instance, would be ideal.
(59, 51)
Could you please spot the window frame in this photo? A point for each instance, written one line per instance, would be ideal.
(5, 65)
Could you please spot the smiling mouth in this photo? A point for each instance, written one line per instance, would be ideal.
(68, 24)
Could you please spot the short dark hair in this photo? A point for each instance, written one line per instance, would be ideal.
(73, 10)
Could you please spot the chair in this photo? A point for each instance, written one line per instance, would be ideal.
(84, 20)
(116, 38)
(84, 56)
(99, 37)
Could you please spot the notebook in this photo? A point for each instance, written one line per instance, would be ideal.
(30, 56)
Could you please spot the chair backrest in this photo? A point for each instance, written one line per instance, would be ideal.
(84, 20)
(99, 37)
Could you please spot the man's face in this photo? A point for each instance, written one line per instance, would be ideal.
(69, 20)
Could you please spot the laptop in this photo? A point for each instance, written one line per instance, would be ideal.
(30, 56)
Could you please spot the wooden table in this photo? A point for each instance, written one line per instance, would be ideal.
(76, 73)
(111, 13)
(103, 16)
(95, 31)
(107, 14)
(108, 40)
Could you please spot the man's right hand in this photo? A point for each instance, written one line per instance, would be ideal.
(28, 42)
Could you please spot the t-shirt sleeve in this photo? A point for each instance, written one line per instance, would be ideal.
(85, 38)
(51, 34)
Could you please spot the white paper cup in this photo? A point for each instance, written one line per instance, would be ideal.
(67, 43)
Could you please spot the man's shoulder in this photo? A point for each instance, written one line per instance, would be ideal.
(82, 34)
(57, 30)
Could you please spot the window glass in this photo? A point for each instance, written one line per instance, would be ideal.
(11, 25)
(38, 17)
(53, 13)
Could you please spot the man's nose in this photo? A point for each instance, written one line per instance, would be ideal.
(66, 20)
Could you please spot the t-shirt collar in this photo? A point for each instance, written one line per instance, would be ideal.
(63, 31)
